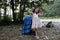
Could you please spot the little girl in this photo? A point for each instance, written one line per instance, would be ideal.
(36, 23)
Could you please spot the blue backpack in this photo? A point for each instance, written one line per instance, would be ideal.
(26, 26)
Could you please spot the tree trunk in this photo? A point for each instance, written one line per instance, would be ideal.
(4, 11)
(21, 14)
(14, 15)
(0, 13)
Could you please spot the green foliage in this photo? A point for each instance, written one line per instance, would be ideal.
(49, 8)
(0, 0)
(52, 10)
(5, 21)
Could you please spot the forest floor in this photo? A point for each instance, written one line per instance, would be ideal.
(14, 33)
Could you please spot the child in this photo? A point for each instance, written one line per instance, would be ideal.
(36, 23)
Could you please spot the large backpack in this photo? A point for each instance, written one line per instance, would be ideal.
(26, 26)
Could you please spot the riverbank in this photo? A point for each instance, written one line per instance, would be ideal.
(53, 20)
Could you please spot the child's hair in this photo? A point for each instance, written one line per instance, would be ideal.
(38, 10)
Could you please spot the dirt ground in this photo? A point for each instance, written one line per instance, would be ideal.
(14, 33)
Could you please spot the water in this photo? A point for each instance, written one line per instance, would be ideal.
(56, 24)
